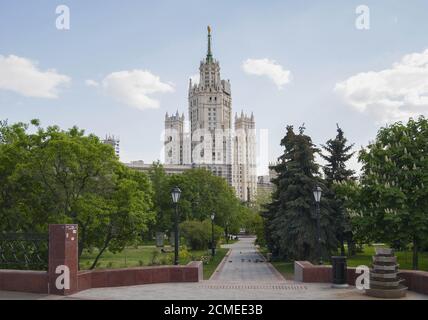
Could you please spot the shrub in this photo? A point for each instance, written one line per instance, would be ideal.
(155, 258)
(197, 234)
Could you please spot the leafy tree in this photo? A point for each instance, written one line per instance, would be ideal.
(56, 176)
(204, 193)
(290, 219)
(161, 197)
(390, 201)
(335, 170)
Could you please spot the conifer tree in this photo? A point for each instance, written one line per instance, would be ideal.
(290, 218)
(337, 154)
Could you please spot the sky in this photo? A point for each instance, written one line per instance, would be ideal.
(122, 65)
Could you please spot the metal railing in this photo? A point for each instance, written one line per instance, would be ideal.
(24, 251)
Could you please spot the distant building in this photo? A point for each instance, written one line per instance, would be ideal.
(170, 169)
(114, 142)
(264, 183)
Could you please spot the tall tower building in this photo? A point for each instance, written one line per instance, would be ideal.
(210, 109)
(211, 141)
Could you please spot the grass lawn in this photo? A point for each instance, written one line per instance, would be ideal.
(149, 255)
(404, 259)
(212, 265)
(284, 268)
(364, 258)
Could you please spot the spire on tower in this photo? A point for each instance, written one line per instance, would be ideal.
(209, 53)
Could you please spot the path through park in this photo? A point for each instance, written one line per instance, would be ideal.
(245, 263)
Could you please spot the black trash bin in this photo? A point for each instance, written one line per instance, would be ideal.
(339, 272)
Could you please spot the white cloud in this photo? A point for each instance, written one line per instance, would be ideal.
(22, 76)
(135, 87)
(391, 94)
(91, 83)
(269, 68)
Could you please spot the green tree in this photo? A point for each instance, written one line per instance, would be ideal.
(161, 197)
(390, 201)
(204, 193)
(57, 176)
(198, 234)
(337, 153)
(290, 219)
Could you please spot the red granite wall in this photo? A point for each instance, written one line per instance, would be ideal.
(24, 281)
(38, 281)
(415, 280)
(139, 276)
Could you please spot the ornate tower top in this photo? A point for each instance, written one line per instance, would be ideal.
(209, 53)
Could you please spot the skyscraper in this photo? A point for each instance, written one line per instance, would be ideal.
(210, 142)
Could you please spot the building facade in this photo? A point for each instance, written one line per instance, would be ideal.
(244, 157)
(212, 142)
(114, 142)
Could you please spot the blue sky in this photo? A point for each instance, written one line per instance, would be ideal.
(316, 41)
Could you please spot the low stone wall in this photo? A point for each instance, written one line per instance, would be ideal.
(138, 276)
(304, 271)
(38, 281)
(415, 280)
(24, 281)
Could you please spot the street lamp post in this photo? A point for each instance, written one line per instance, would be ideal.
(212, 234)
(227, 232)
(175, 194)
(317, 196)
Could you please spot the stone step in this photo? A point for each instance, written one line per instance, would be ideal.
(384, 251)
(385, 259)
(392, 275)
(381, 267)
(385, 284)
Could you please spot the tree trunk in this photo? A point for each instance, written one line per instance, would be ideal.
(351, 247)
(415, 258)
(94, 264)
(82, 239)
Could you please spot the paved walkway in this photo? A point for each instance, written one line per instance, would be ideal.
(243, 275)
(244, 263)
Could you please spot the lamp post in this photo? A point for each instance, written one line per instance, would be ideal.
(175, 194)
(212, 234)
(227, 232)
(317, 196)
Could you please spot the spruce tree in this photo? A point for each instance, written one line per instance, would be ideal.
(290, 218)
(337, 154)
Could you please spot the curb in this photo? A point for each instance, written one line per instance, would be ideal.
(272, 268)
(220, 265)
